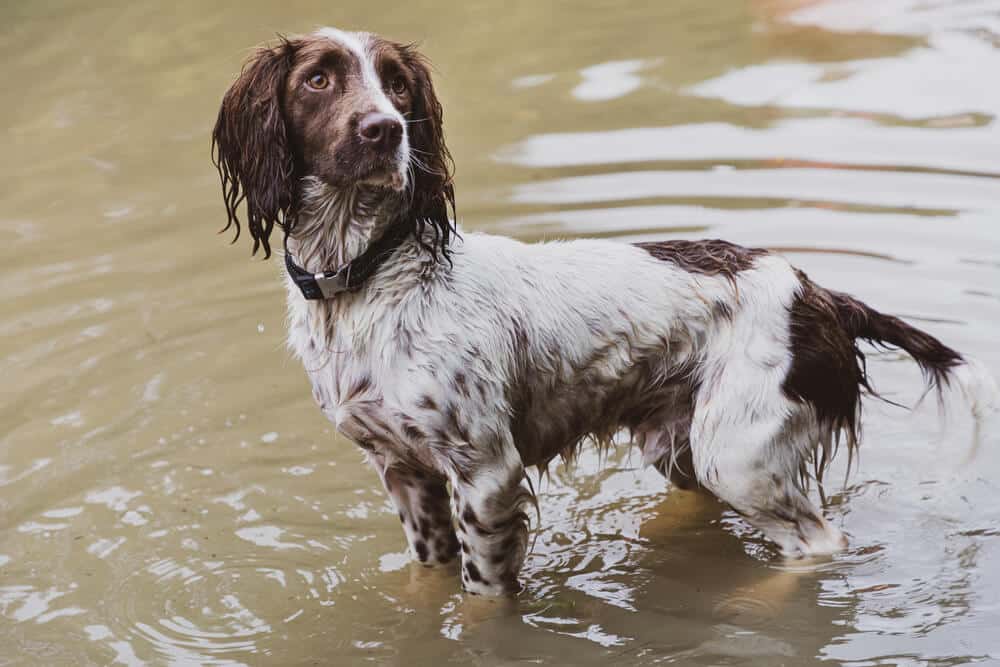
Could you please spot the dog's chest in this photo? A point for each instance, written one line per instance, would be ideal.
(325, 337)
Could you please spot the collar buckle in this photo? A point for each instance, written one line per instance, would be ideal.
(333, 283)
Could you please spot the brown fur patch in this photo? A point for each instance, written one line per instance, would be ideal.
(711, 257)
(828, 369)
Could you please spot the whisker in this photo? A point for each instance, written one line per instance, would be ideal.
(425, 168)
(416, 160)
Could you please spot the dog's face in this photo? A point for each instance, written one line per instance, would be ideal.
(350, 109)
(347, 102)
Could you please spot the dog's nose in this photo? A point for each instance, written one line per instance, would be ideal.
(381, 131)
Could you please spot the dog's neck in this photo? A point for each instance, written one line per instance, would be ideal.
(336, 225)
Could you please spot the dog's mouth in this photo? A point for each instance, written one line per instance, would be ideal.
(383, 172)
(390, 179)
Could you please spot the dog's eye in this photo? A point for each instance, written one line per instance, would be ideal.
(398, 84)
(317, 81)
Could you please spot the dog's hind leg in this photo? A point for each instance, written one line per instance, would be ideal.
(751, 457)
(421, 498)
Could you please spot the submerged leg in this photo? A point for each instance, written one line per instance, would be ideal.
(490, 504)
(751, 459)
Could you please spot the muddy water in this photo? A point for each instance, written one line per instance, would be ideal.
(170, 495)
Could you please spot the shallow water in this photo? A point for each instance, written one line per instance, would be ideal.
(169, 493)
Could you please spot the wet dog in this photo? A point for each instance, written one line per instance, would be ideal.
(457, 361)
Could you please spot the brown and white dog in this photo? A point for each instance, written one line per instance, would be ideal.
(458, 361)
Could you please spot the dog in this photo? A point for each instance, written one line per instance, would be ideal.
(458, 360)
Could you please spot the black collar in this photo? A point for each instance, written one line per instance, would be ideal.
(350, 276)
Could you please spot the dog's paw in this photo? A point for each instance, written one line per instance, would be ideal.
(814, 539)
(475, 583)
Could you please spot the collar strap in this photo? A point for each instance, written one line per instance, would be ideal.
(350, 276)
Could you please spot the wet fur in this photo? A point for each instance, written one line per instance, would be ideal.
(463, 361)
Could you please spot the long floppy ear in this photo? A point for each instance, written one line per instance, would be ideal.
(433, 190)
(250, 146)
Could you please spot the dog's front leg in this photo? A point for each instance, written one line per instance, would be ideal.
(490, 503)
(419, 495)
(421, 498)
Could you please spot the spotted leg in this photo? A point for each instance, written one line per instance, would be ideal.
(490, 504)
(421, 498)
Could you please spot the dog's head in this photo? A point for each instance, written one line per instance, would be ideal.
(350, 110)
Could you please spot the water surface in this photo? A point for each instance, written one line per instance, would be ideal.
(170, 495)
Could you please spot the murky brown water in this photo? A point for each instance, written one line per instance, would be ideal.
(168, 491)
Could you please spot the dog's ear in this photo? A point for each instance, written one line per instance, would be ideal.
(250, 146)
(433, 190)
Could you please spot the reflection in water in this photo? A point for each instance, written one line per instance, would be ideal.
(609, 80)
(168, 493)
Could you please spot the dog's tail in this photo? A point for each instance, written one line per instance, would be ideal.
(942, 366)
